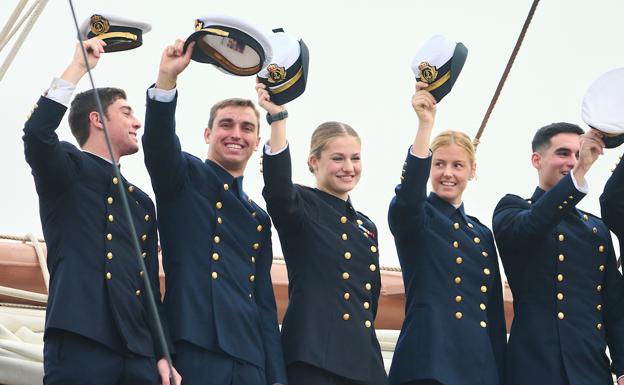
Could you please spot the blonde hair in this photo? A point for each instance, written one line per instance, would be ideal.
(446, 138)
(325, 133)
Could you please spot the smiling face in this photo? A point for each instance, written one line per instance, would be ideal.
(339, 167)
(233, 138)
(451, 169)
(122, 126)
(556, 161)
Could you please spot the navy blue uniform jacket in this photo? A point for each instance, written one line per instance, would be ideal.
(562, 272)
(217, 252)
(454, 328)
(333, 277)
(96, 286)
(612, 204)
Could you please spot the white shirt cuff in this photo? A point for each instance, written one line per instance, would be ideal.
(584, 188)
(267, 149)
(414, 155)
(60, 91)
(161, 95)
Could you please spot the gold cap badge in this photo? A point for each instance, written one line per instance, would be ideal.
(428, 73)
(99, 25)
(276, 73)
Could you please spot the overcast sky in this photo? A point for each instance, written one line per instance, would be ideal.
(360, 55)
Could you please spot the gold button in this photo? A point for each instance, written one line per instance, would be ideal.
(214, 275)
(259, 228)
(458, 315)
(109, 255)
(599, 307)
(486, 271)
(115, 180)
(218, 205)
(344, 237)
(254, 214)
(368, 286)
(561, 237)
(343, 219)
(477, 240)
(367, 323)
(138, 292)
(459, 260)
(130, 188)
(219, 220)
(561, 258)
(560, 315)
(599, 326)
(601, 267)
(484, 253)
(401, 178)
(216, 239)
(345, 316)
(347, 255)
(253, 259)
(144, 254)
(141, 273)
(144, 237)
(109, 200)
(345, 275)
(560, 207)
(109, 275)
(599, 288)
(366, 305)
(458, 280)
(570, 197)
(226, 186)
(560, 277)
(601, 248)
(470, 225)
(585, 217)
(109, 236)
(346, 296)
(255, 246)
(146, 217)
(252, 278)
(359, 222)
(372, 267)
(594, 230)
(482, 306)
(458, 298)
(215, 256)
(456, 226)
(484, 289)
(110, 217)
(565, 202)
(560, 296)
(455, 244)
(483, 324)
(373, 249)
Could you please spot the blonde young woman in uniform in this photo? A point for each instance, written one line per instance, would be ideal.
(331, 254)
(454, 329)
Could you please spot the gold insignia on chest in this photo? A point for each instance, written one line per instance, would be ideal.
(99, 25)
(428, 73)
(276, 73)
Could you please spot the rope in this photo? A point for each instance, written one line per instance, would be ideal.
(384, 268)
(23, 294)
(43, 264)
(11, 21)
(501, 83)
(21, 238)
(7, 36)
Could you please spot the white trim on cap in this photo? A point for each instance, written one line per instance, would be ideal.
(115, 20)
(244, 26)
(602, 104)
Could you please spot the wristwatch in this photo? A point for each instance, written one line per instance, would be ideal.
(275, 117)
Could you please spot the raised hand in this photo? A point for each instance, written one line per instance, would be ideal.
(424, 104)
(172, 62)
(94, 48)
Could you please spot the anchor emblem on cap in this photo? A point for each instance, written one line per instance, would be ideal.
(428, 73)
(276, 73)
(99, 25)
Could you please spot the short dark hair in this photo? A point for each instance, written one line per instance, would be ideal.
(84, 103)
(542, 137)
(233, 102)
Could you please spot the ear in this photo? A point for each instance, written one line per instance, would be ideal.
(536, 160)
(313, 163)
(255, 148)
(473, 172)
(95, 121)
(207, 133)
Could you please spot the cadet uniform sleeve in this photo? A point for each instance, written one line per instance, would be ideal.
(614, 312)
(496, 316)
(406, 214)
(163, 155)
(265, 298)
(612, 202)
(283, 202)
(517, 221)
(51, 165)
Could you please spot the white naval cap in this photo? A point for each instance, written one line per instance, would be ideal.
(439, 62)
(233, 45)
(603, 106)
(119, 33)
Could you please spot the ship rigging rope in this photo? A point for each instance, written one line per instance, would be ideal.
(503, 78)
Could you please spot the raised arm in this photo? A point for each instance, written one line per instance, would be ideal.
(406, 213)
